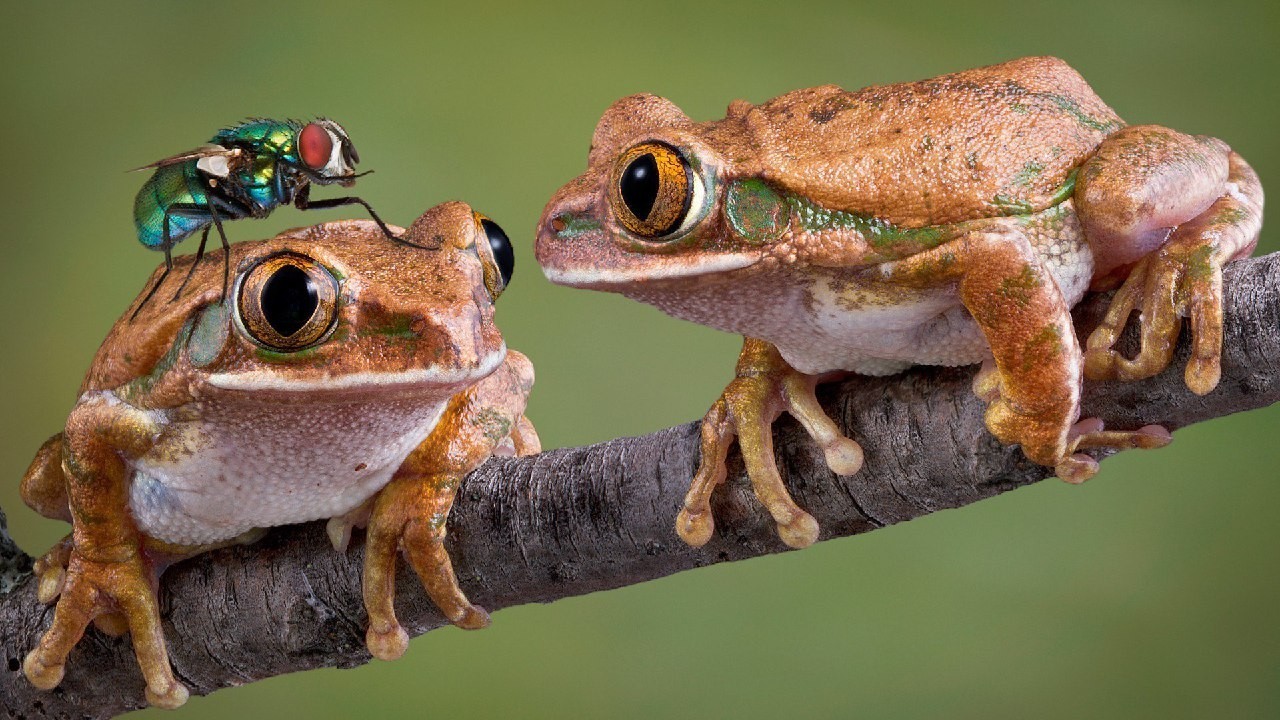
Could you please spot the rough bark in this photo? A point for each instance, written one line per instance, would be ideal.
(578, 520)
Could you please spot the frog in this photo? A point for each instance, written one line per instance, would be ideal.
(345, 378)
(951, 221)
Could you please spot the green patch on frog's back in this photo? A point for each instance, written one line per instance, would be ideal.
(891, 241)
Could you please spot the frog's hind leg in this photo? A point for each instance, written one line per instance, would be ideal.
(410, 514)
(1177, 208)
(44, 486)
(1033, 387)
(44, 489)
(764, 388)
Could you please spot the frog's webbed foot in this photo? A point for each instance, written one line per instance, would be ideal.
(409, 516)
(120, 589)
(1175, 280)
(765, 387)
(1182, 278)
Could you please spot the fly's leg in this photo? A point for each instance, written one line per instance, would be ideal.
(204, 238)
(186, 210)
(303, 201)
(765, 386)
(410, 514)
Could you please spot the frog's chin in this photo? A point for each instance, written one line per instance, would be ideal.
(428, 379)
(653, 268)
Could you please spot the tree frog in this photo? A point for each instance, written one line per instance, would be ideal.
(346, 377)
(949, 221)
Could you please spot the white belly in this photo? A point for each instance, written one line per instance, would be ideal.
(248, 463)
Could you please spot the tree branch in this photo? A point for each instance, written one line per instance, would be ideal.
(577, 520)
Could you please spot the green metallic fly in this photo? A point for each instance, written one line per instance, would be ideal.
(246, 170)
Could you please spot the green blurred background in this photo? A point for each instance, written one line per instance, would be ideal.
(1150, 592)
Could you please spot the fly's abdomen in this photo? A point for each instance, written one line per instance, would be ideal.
(175, 190)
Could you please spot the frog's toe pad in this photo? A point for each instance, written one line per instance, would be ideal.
(1076, 468)
(173, 696)
(1202, 374)
(695, 526)
(45, 677)
(844, 456)
(387, 645)
(473, 617)
(50, 585)
(800, 532)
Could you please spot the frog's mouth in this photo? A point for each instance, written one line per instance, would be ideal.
(421, 379)
(644, 268)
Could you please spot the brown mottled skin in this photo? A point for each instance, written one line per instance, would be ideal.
(948, 221)
(413, 328)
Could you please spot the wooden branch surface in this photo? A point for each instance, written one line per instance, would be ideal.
(577, 520)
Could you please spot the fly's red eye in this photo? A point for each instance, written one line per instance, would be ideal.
(314, 146)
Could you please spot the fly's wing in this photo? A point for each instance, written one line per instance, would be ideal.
(204, 151)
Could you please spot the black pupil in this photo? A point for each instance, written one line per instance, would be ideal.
(289, 299)
(639, 186)
(503, 253)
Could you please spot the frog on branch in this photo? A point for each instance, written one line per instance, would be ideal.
(346, 377)
(950, 221)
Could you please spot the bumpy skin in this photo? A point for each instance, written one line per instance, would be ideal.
(948, 221)
(191, 434)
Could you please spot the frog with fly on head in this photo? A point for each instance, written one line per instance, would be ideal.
(345, 378)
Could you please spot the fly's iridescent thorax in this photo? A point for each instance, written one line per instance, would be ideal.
(269, 149)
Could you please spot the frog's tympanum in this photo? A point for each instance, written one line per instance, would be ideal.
(346, 377)
(944, 222)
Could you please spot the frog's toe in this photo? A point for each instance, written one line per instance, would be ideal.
(843, 455)
(1090, 433)
(696, 523)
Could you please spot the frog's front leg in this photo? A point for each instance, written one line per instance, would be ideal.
(1177, 208)
(764, 387)
(411, 512)
(108, 575)
(1034, 389)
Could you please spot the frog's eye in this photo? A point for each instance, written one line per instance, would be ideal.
(653, 191)
(288, 302)
(497, 257)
